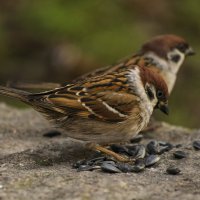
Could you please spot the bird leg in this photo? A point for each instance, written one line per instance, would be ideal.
(118, 157)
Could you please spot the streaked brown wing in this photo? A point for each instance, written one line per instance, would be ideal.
(105, 98)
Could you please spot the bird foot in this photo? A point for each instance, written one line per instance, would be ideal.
(116, 156)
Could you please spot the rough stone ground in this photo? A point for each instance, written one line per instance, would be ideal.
(35, 167)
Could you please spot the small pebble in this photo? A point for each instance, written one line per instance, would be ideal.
(196, 144)
(179, 154)
(173, 170)
(151, 160)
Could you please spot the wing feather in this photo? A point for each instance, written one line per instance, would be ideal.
(106, 98)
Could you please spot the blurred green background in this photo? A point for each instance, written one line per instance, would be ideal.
(57, 40)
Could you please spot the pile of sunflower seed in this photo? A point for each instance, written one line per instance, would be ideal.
(144, 156)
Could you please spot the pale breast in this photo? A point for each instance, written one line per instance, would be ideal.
(170, 79)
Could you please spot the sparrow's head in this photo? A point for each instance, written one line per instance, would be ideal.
(170, 48)
(155, 88)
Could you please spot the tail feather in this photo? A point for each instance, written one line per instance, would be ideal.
(15, 93)
(49, 111)
(40, 86)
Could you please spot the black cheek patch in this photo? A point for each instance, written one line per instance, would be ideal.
(150, 93)
(175, 58)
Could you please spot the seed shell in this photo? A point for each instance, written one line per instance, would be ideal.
(173, 170)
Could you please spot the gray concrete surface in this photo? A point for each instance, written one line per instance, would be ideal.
(35, 167)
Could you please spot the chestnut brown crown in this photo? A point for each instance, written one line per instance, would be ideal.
(163, 44)
(149, 79)
(148, 76)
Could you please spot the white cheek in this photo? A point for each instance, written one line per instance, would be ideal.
(147, 105)
(175, 66)
(158, 61)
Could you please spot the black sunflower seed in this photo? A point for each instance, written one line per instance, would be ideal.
(110, 166)
(163, 149)
(119, 149)
(151, 160)
(87, 168)
(153, 147)
(52, 133)
(173, 170)
(79, 163)
(96, 161)
(132, 150)
(136, 151)
(163, 143)
(139, 166)
(165, 146)
(196, 144)
(141, 152)
(137, 139)
(124, 167)
(178, 145)
(179, 154)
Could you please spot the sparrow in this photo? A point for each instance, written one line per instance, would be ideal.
(104, 109)
(164, 54)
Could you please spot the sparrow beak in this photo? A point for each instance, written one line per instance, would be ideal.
(190, 52)
(163, 106)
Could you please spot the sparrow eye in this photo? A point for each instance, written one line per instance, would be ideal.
(160, 94)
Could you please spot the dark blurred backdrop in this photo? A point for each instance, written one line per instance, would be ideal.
(57, 40)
